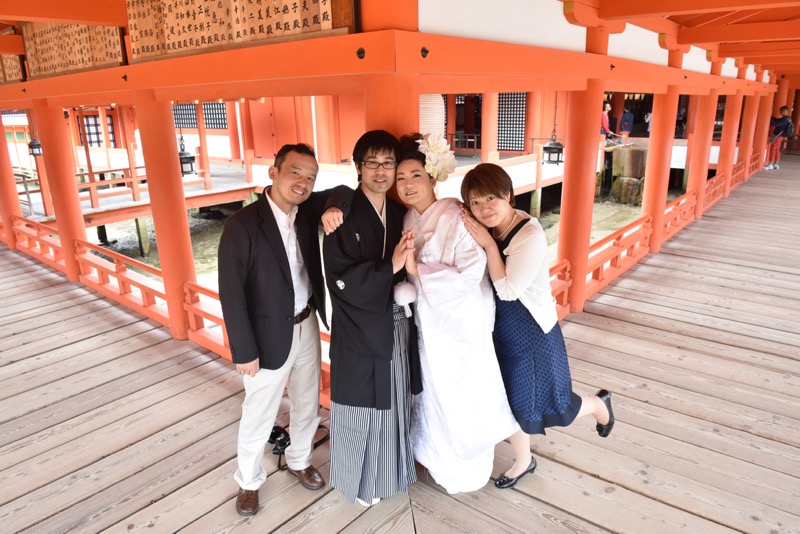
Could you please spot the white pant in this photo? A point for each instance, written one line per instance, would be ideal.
(263, 394)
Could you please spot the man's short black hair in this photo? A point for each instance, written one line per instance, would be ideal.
(301, 148)
(377, 142)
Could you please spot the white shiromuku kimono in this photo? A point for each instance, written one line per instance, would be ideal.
(463, 410)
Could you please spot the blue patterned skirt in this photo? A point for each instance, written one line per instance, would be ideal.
(535, 369)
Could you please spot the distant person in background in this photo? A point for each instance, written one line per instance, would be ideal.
(626, 123)
(647, 117)
(605, 129)
(782, 128)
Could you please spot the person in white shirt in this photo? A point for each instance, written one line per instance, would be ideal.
(271, 288)
(527, 337)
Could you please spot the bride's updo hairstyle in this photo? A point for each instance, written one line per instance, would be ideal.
(409, 149)
(487, 179)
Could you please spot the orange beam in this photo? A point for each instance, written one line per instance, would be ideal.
(452, 65)
(12, 44)
(754, 31)
(627, 9)
(759, 49)
(94, 12)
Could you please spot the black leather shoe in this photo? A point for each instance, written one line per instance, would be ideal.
(504, 482)
(604, 430)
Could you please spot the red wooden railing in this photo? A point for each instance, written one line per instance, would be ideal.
(560, 282)
(616, 253)
(755, 164)
(39, 241)
(114, 280)
(679, 213)
(201, 305)
(715, 188)
(738, 175)
(131, 183)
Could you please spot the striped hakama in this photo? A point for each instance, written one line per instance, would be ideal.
(370, 451)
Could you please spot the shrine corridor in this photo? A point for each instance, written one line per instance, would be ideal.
(107, 424)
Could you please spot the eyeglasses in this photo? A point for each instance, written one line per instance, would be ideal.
(388, 165)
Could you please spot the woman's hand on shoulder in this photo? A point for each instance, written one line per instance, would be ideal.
(478, 231)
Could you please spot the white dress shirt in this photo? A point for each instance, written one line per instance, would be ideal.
(300, 280)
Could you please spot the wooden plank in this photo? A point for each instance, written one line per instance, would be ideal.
(111, 319)
(726, 332)
(127, 335)
(595, 497)
(13, 313)
(678, 359)
(137, 491)
(57, 434)
(722, 412)
(721, 270)
(685, 314)
(68, 490)
(698, 252)
(706, 501)
(753, 290)
(103, 404)
(390, 516)
(211, 493)
(284, 505)
(615, 327)
(15, 334)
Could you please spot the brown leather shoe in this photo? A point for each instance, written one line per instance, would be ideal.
(247, 502)
(309, 477)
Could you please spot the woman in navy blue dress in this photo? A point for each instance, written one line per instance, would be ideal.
(527, 337)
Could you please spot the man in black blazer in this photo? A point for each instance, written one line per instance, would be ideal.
(270, 284)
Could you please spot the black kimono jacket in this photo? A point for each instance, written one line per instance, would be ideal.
(361, 287)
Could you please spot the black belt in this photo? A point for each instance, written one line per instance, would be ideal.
(303, 315)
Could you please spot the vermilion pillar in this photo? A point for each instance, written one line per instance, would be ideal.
(747, 131)
(9, 200)
(762, 126)
(451, 116)
(391, 103)
(577, 194)
(57, 152)
(327, 129)
(533, 119)
(781, 97)
(205, 165)
(701, 148)
(659, 155)
(489, 119)
(160, 148)
(730, 132)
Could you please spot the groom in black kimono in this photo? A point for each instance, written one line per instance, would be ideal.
(364, 259)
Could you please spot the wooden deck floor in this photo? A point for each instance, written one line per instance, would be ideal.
(106, 424)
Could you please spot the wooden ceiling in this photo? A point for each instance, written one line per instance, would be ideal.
(764, 33)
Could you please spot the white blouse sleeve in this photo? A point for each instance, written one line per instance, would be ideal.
(526, 257)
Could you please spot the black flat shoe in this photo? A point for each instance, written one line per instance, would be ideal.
(504, 482)
(604, 430)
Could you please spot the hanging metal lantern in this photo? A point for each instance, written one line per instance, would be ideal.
(553, 151)
(187, 159)
(35, 148)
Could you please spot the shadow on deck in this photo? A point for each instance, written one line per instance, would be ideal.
(106, 423)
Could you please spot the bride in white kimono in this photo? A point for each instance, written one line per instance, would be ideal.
(463, 410)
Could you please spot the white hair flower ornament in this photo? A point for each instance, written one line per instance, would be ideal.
(439, 159)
